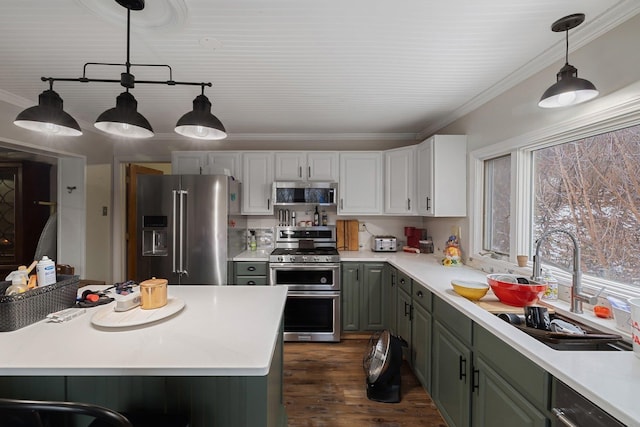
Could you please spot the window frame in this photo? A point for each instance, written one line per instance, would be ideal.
(615, 117)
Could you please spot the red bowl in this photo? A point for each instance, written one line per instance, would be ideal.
(510, 292)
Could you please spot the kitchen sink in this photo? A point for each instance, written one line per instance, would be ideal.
(592, 340)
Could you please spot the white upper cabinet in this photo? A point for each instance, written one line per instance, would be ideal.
(306, 166)
(188, 162)
(221, 162)
(206, 163)
(442, 176)
(257, 182)
(360, 186)
(399, 181)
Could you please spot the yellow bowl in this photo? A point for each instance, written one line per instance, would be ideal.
(469, 289)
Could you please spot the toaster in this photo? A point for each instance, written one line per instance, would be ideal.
(384, 244)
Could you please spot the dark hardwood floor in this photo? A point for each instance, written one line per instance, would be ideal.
(324, 385)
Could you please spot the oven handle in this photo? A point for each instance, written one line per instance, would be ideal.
(313, 294)
(307, 266)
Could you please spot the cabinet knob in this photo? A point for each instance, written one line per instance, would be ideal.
(419, 294)
(252, 268)
(251, 282)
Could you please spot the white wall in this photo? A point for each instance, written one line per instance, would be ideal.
(99, 238)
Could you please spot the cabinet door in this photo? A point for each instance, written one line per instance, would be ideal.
(425, 169)
(391, 298)
(442, 176)
(404, 314)
(322, 166)
(496, 402)
(188, 162)
(290, 166)
(257, 181)
(350, 293)
(399, 187)
(451, 373)
(421, 345)
(360, 187)
(372, 307)
(217, 161)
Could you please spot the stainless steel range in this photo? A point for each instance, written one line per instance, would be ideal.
(307, 261)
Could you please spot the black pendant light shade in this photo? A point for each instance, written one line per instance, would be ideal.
(569, 89)
(200, 123)
(124, 120)
(48, 116)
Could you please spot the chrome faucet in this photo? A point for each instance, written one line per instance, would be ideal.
(577, 296)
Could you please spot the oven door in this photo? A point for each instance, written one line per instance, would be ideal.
(312, 316)
(306, 277)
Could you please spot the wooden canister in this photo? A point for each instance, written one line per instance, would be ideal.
(153, 293)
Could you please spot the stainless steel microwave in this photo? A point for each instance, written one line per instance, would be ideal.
(293, 193)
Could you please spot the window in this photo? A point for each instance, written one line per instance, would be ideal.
(591, 188)
(497, 191)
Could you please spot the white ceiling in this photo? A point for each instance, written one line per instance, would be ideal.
(386, 69)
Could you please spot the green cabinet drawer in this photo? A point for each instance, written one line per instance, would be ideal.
(422, 297)
(252, 280)
(455, 321)
(404, 282)
(245, 268)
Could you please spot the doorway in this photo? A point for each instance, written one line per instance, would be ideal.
(131, 233)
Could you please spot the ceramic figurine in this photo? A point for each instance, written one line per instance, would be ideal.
(452, 252)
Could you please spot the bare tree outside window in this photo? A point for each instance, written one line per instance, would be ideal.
(591, 188)
(497, 178)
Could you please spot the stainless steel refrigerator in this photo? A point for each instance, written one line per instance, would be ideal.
(189, 228)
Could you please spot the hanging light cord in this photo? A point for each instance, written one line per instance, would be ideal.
(566, 50)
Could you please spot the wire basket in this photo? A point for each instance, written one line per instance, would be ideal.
(17, 311)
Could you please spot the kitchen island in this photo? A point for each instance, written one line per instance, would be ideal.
(218, 360)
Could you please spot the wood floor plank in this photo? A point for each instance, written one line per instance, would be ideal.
(324, 386)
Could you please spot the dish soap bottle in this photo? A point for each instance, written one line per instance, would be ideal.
(253, 245)
(551, 293)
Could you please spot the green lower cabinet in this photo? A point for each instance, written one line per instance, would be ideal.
(390, 298)
(497, 403)
(373, 304)
(404, 313)
(451, 377)
(350, 293)
(363, 296)
(250, 273)
(479, 380)
(421, 345)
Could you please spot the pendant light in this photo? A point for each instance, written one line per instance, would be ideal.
(569, 88)
(48, 116)
(123, 120)
(200, 123)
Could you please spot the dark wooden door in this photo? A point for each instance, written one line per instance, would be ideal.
(132, 233)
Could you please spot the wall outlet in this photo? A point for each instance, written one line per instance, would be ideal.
(362, 226)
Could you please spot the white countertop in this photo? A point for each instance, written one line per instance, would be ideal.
(610, 379)
(257, 255)
(222, 331)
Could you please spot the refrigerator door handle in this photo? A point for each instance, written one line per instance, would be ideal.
(183, 202)
(175, 214)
